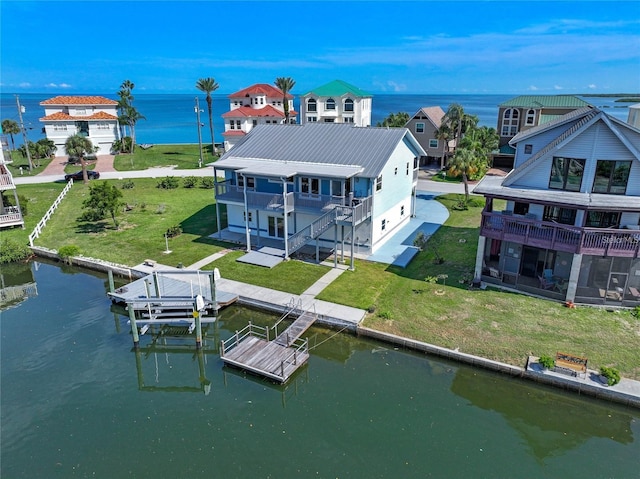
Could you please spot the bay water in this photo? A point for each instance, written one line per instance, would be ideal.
(77, 401)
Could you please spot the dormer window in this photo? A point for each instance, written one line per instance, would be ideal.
(330, 104)
(312, 105)
(531, 118)
(510, 120)
(348, 104)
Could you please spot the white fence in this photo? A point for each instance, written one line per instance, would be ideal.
(39, 227)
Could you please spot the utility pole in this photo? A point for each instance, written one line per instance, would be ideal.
(198, 110)
(24, 133)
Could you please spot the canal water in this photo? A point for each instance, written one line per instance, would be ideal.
(76, 401)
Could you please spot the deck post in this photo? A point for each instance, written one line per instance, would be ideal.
(156, 284)
(282, 370)
(335, 246)
(112, 286)
(221, 349)
(352, 267)
(134, 326)
(196, 315)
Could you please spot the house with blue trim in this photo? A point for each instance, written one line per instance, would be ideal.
(570, 229)
(330, 185)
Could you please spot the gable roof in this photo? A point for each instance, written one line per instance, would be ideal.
(260, 89)
(338, 88)
(433, 113)
(545, 101)
(61, 116)
(78, 100)
(247, 111)
(320, 145)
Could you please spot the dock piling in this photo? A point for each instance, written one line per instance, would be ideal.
(134, 326)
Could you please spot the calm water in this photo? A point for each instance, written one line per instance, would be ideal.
(172, 118)
(76, 401)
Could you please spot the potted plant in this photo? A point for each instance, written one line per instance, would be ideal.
(547, 362)
(609, 376)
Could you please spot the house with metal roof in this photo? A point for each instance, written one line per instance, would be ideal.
(424, 126)
(332, 186)
(336, 102)
(528, 111)
(95, 117)
(568, 224)
(259, 104)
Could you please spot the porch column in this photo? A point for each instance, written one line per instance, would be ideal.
(414, 199)
(215, 192)
(247, 230)
(482, 242)
(573, 277)
(284, 218)
(353, 239)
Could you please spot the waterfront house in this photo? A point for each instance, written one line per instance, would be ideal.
(336, 102)
(259, 104)
(525, 112)
(10, 214)
(319, 184)
(633, 117)
(570, 229)
(95, 117)
(424, 126)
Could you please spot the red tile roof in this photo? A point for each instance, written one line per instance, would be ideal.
(234, 133)
(260, 89)
(79, 100)
(247, 111)
(60, 116)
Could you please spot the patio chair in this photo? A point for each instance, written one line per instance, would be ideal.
(544, 284)
(547, 274)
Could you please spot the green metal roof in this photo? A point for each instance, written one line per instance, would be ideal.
(545, 101)
(547, 118)
(338, 88)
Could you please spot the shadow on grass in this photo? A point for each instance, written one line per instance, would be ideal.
(93, 227)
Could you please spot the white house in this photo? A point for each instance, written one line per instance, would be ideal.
(336, 102)
(95, 117)
(634, 115)
(10, 213)
(259, 104)
(318, 183)
(571, 226)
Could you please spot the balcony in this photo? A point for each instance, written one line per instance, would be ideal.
(6, 182)
(559, 237)
(11, 217)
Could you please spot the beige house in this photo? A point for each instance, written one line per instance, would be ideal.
(424, 126)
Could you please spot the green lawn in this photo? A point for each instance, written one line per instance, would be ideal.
(180, 156)
(19, 161)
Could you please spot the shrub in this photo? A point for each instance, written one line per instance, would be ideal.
(67, 251)
(174, 231)
(547, 361)
(160, 209)
(612, 375)
(635, 312)
(206, 182)
(128, 185)
(168, 183)
(12, 251)
(190, 182)
(431, 279)
(385, 314)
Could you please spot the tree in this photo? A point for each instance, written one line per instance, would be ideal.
(129, 116)
(443, 134)
(104, 199)
(208, 85)
(45, 148)
(80, 146)
(482, 140)
(465, 162)
(459, 121)
(10, 127)
(285, 84)
(395, 120)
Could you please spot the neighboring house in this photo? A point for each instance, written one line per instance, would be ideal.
(95, 117)
(528, 111)
(259, 104)
(10, 215)
(634, 115)
(320, 184)
(570, 229)
(424, 126)
(336, 102)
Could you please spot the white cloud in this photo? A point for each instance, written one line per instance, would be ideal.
(533, 88)
(51, 85)
(64, 85)
(24, 85)
(557, 87)
(592, 87)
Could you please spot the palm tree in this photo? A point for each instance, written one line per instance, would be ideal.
(10, 127)
(131, 117)
(285, 84)
(465, 163)
(79, 146)
(443, 134)
(208, 85)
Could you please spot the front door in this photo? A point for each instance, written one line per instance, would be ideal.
(276, 227)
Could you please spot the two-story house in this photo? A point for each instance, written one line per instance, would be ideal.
(259, 104)
(319, 184)
(10, 212)
(424, 126)
(565, 222)
(336, 102)
(527, 111)
(95, 117)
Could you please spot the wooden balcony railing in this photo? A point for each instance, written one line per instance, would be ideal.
(559, 237)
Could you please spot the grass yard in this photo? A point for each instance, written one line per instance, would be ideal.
(493, 324)
(18, 161)
(182, 156)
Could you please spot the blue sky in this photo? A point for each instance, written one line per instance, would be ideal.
(519, 47)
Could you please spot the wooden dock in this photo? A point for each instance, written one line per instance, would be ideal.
(251, 349)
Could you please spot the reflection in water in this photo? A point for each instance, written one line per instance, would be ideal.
(551, 424)
(16, 283)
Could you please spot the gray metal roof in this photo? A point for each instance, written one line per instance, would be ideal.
(286, 169)
(492, 185)
(319, 146)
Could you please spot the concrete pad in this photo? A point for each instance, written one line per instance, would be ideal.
(260, 259)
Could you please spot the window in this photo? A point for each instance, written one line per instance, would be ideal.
(510, 120)
(232, 125)
(379, 183)
(255, 122)
(407, 169)
(419, 127)
(566, 216)
(531, 118)
(102, 125)
(602, 219)
(329, 120)
(395, 171)
(402, 210)
(348, 104)
(244, 216)
(251, 182)
(611, 177)
(528, 149)
(330, 104)
(309, 186)
(312, 105)
(384, 225)
(566, 174)
(59, 127)
(520, 208)
(348, 119)
(81, 111)
(312, 118)
(238, 124)
(433, 143)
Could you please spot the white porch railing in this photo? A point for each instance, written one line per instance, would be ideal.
(41, 224)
